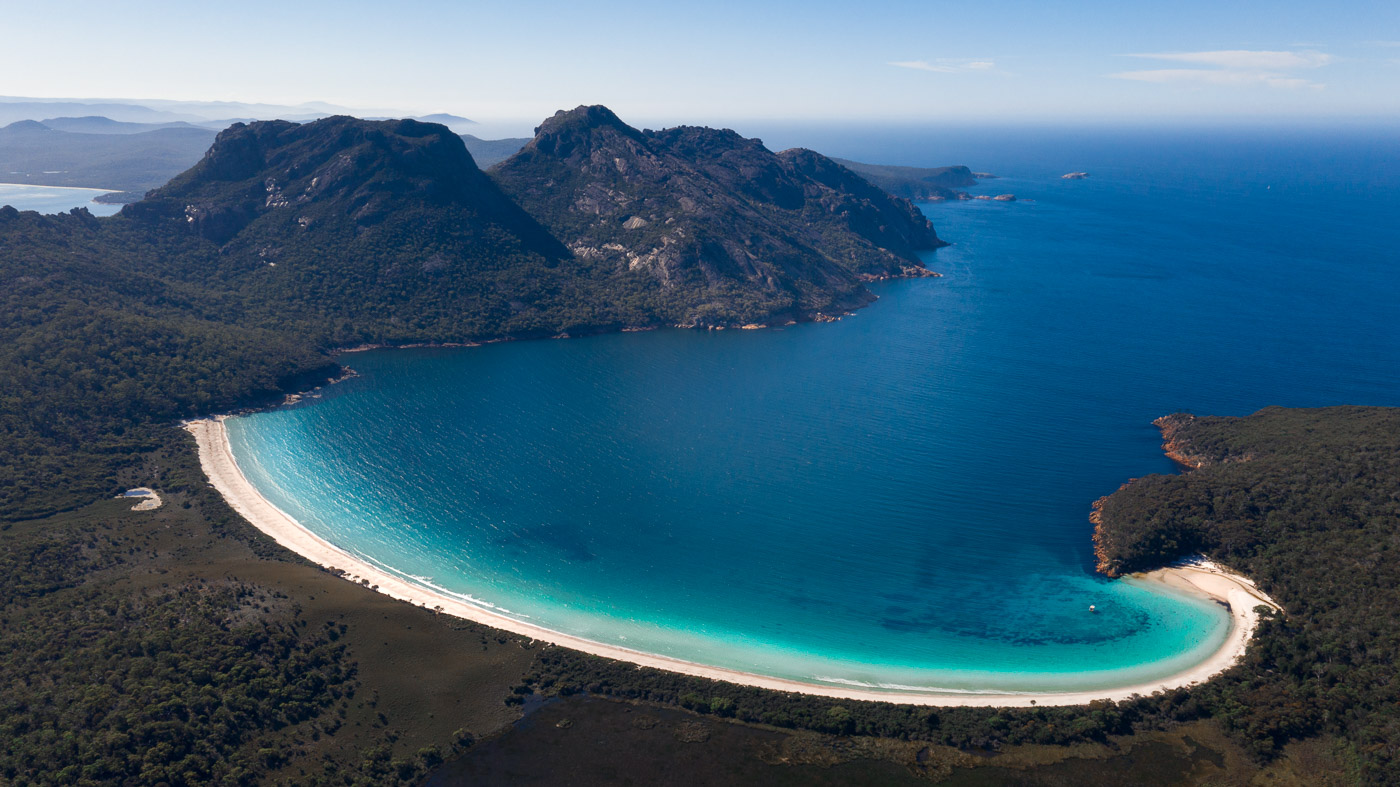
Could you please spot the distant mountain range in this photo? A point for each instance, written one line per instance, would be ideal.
(96, 124)
(489, 152)
(210, 114)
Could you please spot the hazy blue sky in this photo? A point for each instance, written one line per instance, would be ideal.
(973, 60)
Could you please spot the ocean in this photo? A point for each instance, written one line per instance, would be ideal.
(900, 498)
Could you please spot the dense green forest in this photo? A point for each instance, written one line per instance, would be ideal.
(1306, 503)
(178, 647)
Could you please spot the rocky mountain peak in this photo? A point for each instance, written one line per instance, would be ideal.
(366, 167)
(709, 212)
(581, 129)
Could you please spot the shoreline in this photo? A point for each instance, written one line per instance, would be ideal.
(65, 188)
(1199, 577)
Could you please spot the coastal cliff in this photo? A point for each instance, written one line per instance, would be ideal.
(1107, 564)
(1175, 428)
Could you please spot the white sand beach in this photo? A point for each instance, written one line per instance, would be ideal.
(1198, 577)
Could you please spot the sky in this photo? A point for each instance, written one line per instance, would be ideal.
(971, 61)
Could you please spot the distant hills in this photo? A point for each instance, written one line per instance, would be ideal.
(135, 167)
(489, 152)
(96, 124)
(16, 109)
(211, 114)
(123, 159)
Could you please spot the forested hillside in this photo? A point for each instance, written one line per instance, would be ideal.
(1307, 503)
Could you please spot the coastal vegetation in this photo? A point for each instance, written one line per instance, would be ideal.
(1305, 502)
(175, 646)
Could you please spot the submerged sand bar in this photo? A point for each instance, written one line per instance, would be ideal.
(1199, 577)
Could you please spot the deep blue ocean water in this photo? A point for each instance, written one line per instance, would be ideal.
(899, 498)
(54, 199)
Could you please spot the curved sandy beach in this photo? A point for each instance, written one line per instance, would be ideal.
(1200, 577)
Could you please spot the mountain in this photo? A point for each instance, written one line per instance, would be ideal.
(31, 152)
(727, 227)
(915, 183)
(385, 225)
(15, 109)
(96, 124)
(152, 110)
(454, 122)
(489, 152)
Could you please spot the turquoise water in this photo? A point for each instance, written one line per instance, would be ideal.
(54, 199)
(898, 499)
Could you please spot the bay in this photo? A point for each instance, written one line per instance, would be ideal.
(899, 498)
